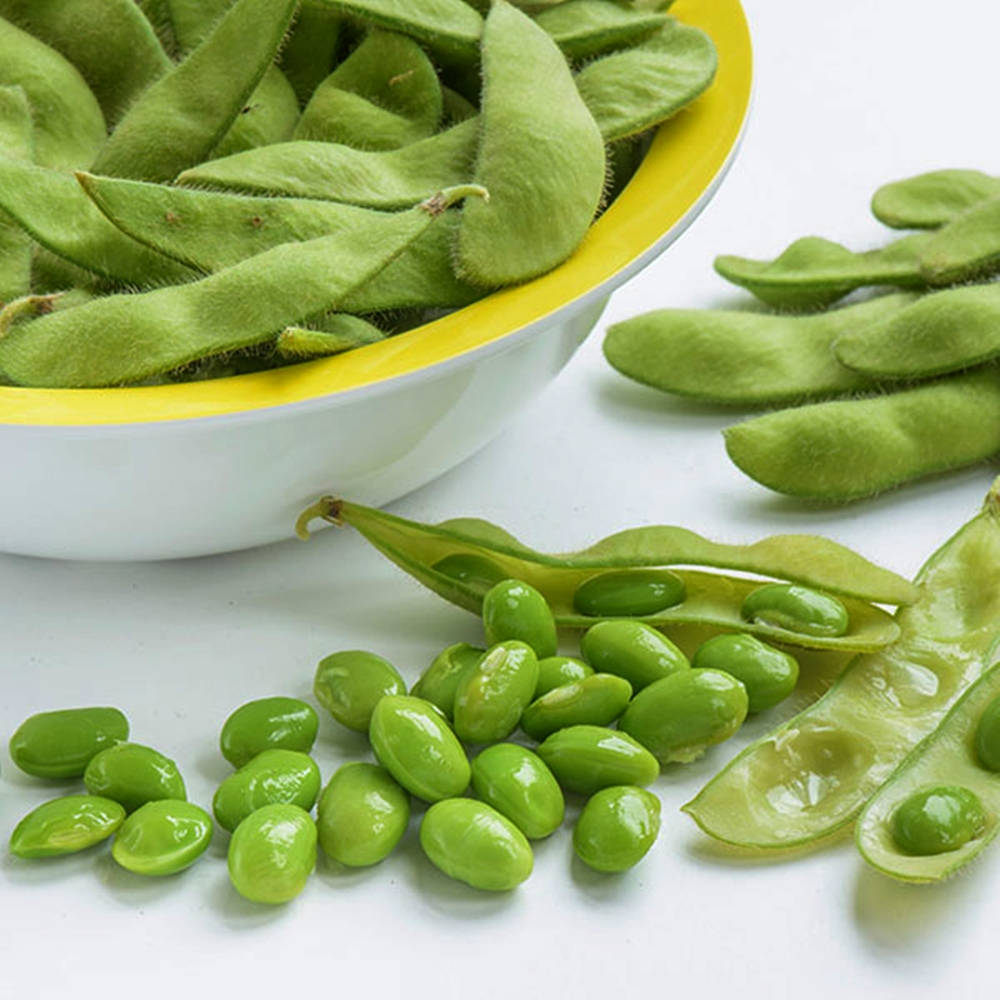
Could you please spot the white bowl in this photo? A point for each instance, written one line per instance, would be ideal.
(186, 470)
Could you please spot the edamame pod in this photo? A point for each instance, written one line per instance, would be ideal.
(310, 48)
(66, 825)
(133, 775)
(17, 142)
(162, 837)
(516, 783)
(269, 115)
(586, 759)
(271, 776)
(272, 854)
(812, 775)
(616, 828)
(965, 248)
(929, 200)
(343, 333)
(350, 683)
(596, 700)
(61, 744)
(268, 724)
(587, 28)
(490, 698)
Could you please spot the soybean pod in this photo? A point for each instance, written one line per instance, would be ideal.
(587, 28)
(17, 142)
(812, 775)
(966, 247)
(929, 200)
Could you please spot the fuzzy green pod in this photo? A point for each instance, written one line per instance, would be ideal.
(310, 49)
(966, 247)
(517, 783)
(596, 700)
(586, 759)
(272, 853)
(62, 743)
(66, 825)
(362, 815)
(271, 776)
(133, 775)
(938, 820)
(634, 592)
(350, 683)
(491, 697)
(162, 837)
(587, 28)
(795, 608)
(439, 682)
(633, 650)
(555, 671)
(513, 609)
(269, 115)
(17, 142)
(616, 828)
(277, 723)
(343, 333)
(768, 674)
(929, 200)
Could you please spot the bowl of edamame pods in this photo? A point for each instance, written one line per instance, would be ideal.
(391, 225)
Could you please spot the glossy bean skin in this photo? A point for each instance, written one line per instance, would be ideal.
(272, 853)
(61, 744)
(439, 682)
(596, 700)
(632, 650)
(768, 674)
(585, 759)
(929, 200)
(65, 825)
(517, 783)
(988, 736)
(472, 842)
(133, 775)
(413, 742)
(679, 717)
(491, 697)
(362, 815)
(162, 837)
(513, 609)
(277, 723)
(272, 776)
(797, 609)
(555, 671)
(616, 828)
(348, 685)
(628, 593)
(937, 820)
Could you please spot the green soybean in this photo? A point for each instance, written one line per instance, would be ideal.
(272, 776)
(616, 828)
(491, 697)
(65, 825)
(277, 723)
(633, 650)
(162, 838)
(349, 684)
(472, 842)
(587, 758)
(628, 592)
(555, 671)
(513, 609)
(413, 742)
(533, 123)
(987, 739)
(439, 682)
(272, 853)
(472, 570)
(965, 248)
(768, 674)
(61, 744)
(516, 783)
(17, 142)
(937, 820)
(929, 200)
(846, 449)
(133, 775)
(310, 49)
(596, 700)
(587, 28)
(796, 609)
(362, 815)
(679, 717)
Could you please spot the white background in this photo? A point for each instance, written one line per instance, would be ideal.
(848, 95)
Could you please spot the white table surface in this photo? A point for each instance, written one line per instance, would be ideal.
(848, 95)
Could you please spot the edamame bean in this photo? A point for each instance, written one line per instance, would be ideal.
(268, 724)
(133, 775)
(362, 815)
(349, 684)
(679, 717)
(271, 776)
(929, 200)
(413, 742)
(491, 697)
(162, 837)
(596, 700)
(586, 759)
(939, 819)
(513, 609)
(966, 247)
(472, 842)
(438, 683)
(768, 674)
(65, 825)
(633, 650)
(634, 592)
(796, 609)
(587, 28)
(472, 570)
(555, 671)
(987, 739)
(61, 744)
(272, 853)
(516, 783)
(616, 828)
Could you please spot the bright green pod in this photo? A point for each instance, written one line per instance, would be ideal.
(596, 700)
(272, 776)
(679, 717)
(474, 571)
(61, 744)
(350, 683)
(633, 650)
(513, 609)
(491, 697)
(938, 820)
(555, 671)
(362, 815)
(268, 724)
(162, 837)
(472, 842)
(587, 28)
(586, 759)
(929, 200)
(797, 609)
(624, 593)
(17, 142)
(768, 674)
(133, 775)
(517, 783)
(413, 742)
(272, 853)
(987, 740)
(616, 828)
(439, 682)
(66, 825)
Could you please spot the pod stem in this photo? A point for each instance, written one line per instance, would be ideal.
(327, 508)
(992, 502)
(29, 305)
(443, 200)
